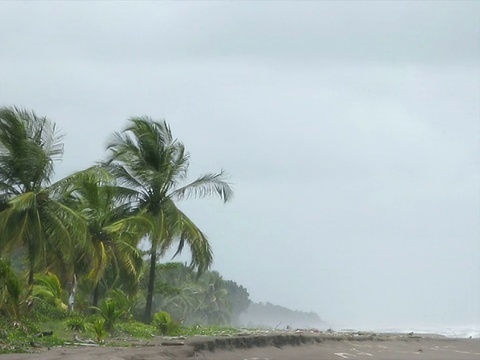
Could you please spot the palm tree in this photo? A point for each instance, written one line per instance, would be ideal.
(113, 229)
(213, 305)
(146, 158)
(31, 216)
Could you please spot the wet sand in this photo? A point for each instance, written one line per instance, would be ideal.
(337, 350)
(275, 347)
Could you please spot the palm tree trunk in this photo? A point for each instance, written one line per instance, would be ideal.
(95, 294)
(31, 265)
(30, 275)
(71, 294)
(147, 317)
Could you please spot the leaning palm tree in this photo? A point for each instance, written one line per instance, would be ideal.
(146, 158)
(30, 216)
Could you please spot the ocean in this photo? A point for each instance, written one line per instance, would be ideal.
(460, 331)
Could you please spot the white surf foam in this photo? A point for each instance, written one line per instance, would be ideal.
(461, 332)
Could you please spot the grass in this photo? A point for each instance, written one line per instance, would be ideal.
(136, 329)
(25, 337)
(209, 331)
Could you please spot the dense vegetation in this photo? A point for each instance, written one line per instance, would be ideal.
(276, 316)
(207, 299)
(72, 246)
(70, 254)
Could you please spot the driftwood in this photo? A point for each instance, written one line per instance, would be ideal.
(80, 344)
(44, 333)
(172, 343)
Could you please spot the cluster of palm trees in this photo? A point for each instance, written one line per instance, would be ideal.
(207, 299)
(87, 226)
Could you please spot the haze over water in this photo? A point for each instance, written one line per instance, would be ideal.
(350, 131)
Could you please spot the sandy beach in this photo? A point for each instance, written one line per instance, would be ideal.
(385, 350)
(275, 347)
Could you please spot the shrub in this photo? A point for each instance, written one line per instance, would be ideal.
(165, 324)
(44, 311)
(99, 328)
(49, 289)
(124, 302)
(76, 323)
(110, 313)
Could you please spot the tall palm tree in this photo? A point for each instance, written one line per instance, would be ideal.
(145, 157)
(31, 217)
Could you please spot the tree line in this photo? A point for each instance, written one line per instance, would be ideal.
(207, 299)
(84, 230)
(276, 316)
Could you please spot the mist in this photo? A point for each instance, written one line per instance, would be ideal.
(349, 131)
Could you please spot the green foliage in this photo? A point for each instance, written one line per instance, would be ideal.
(10, 291)
(165, 289)
(110, 313)
(87, 227)
(210, 330)
(136, 329)
(18, 337)
(113, 229)
(207, 299)
(100, 330)
(238, 299)
(31, 216)
(270, 315)
(48, 288)
(124, 302)
(76, 322)
(43, 311)
(164, 323)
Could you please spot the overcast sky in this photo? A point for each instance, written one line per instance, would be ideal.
(350, 131)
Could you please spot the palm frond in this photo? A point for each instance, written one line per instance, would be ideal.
(23, 202)
(206, 185)
(183, 231)
(29, 146)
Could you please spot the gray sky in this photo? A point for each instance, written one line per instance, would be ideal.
(350, 131)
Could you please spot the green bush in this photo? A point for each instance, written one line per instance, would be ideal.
(76, 323)
(110, 312)
(44, 311)
(48, 288)
(124, 302)
(165, 324)
(99, 328)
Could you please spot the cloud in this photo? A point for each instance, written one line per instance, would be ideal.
(309, 32)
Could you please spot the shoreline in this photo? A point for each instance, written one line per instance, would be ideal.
(280, 345)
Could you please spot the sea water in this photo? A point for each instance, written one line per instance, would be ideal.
(460, 331)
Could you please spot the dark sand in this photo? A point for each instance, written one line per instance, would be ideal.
(276, 347)
(337, 350)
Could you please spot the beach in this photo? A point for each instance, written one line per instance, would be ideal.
(274, 347)
(451, 349)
